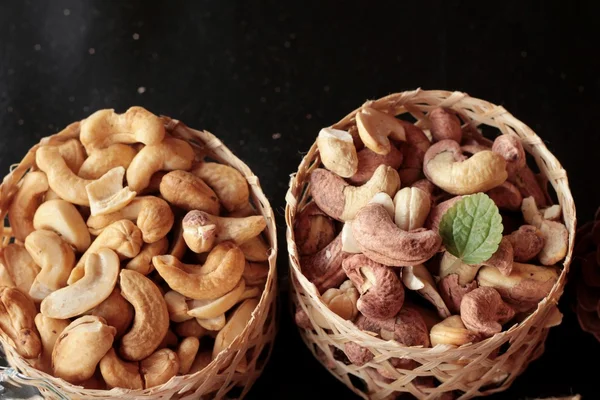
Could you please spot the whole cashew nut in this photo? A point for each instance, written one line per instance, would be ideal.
(255, 249)
(101, 272)
(142, 263)
(119, 373)
(169, 155)
(116, 311)
(234, 326)
(55, 258)
(228, 183)
(63, 218)
(151, 320)
(73, 153)
(444, 124)
(27, 199)
(101, 161)
(313, 230)
(207, 309)
(159, 367)
(186, 352)
(337, 152)
(20, 267)
(152, 215)
(226, 265)
(49, 329)
(452, 331)
(17, 327)
(368, 161)
(483, 311)
(105, 127)
(189, 192)
(374, 128)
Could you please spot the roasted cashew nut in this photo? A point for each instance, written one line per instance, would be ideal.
(189, 192)
(142, 263)
(452, 331)
(101, 161)
(17, 327)
(256, 249)
(159, 367)
(101, 272)
(122, 236)
(151, 320)
(27, 199)
(169, 155)
(226, 265)
(228, 183)
(177, 306)
(152, 214)
(186, 352)
(55, 258)
(444, 124)
(235, 325)
(63, 218)
(105, 127)
(19, 266)
(212, 324)
(189, 328)
(116, 311)
(376, 128)
(255, 274)
(368, 161)
(49, 329)
(73, 153)
(207, 309)
(337, 152)
(107, 194)
(119, 373)
(483, 311)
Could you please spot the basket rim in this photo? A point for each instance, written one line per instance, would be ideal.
(546, 305)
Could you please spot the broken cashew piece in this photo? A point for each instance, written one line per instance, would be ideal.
(142, 263)
(119, 373)
(27, 199)
(55, 258)
(226, 265)
(17, 326)
(376, 128)
(186, 352)
(107, 194)
(228, 183)
(555, 234)
(63, 218)
(116, 311)
(20, 267)
(452, 331)
(101, 161)
(341, 201)
(418, 278)
(122, 236)
(185, 190)
(385, 200)
(177, 306)
(207, 309)
(450, 170)
(169, 155)
(105, 128)
(412, 206)
(101, 272)
(337, 152)
(159, 367)
(483, 311)
(234, 326)
(527, 243)
(151, 320)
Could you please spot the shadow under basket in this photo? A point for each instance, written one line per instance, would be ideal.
(464, 372)
(219, 379)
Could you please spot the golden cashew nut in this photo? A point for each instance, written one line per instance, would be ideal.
(107, 194)
(159, 367)
(207, 309)
(119, 373)
(20, 269)
(187, 191)
(177, 306)
(49, 329)
(101, 161)
(228, 183)
(235, 325)
(27, 199)
(186, 352)
(116, 311)
(17, 327)
(73, 153)
(63, 218)
(142, 263)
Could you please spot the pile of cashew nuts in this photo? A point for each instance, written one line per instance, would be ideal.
(369, 238)
(133, 259)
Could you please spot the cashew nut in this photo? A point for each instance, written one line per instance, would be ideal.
(250, 292)
(105, 127)
(524, 288)
(212, 324)
(101, 272)
(450, 265)
(122, 236)
(202, 361)
(185, 190)
(186, 352)
(101, 161)
(349, 243)
(73, 153)
(341, 301)
(159, 367)
(107, 194)
(407, 327)
(444, 125)
(177, 246)
(152, 215)
(527, 183)
(437, 212)
(447, 168)
(228, 183)
(381, 292)
(376, 128)
(27, 199)
(502, 258)
(49, 330)
(385, 200)
(234, 326)
(555, 234)
(207, 309)
(255, 249)
(506, 196)
(341, 201)
(55, 258)
(452, 291)
(142, 263)
(313, 230)
(169, 155)
(552, 213)
(368, 161)
(63, 218)
(412, 207)
(418, 277)
(80, 347)
(170, 340)
(382, 241)
(511, 149)
(119, 373)
(189, 328)
(116, 311)
(201, 231)
(452, 331)
(527, 243)
(21, 268)
(177, 306)
(255, 274)
(324, 268)
(358, 355)
(483, 311)
(17, 314)
(226, 265)
(151, 320)
(337, 152)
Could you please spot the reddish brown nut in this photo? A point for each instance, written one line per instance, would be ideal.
(324, 268)
(502, 258)
(381, 292)
(382, 241)
(444, 125)
(472, 135)
(368, 161)
(437, 212)
(301, 319)
(511, 149)
(357, 354)
(483, 311)
(452, 291)
(353, 131)
(527, 242)
(524, 179)
(411, 169)
(313, 230)
(506, 196)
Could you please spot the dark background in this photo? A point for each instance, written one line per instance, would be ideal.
(265, 76)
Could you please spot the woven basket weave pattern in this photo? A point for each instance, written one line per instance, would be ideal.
(218, 378)
(470, 370)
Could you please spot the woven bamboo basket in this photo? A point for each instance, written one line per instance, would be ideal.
(219, 380)
(486, 367)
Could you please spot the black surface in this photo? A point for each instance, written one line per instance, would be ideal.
(266, 76)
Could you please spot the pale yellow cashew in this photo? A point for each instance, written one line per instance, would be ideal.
(63, 218)
(27, 199)
(142, 263)
(73, 153)
(235, 325)
(107, 194)
(49, 329)
(19, 266)
(207, 309)
(103, 160)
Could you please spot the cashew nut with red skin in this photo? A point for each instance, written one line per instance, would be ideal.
(313, 230)
(484, 312)
(555, 234)
(511, 149)
(527, 243)
(368, 161)
(444, 124)
(324, 268)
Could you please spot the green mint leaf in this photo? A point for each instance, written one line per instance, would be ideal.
(471, 229)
